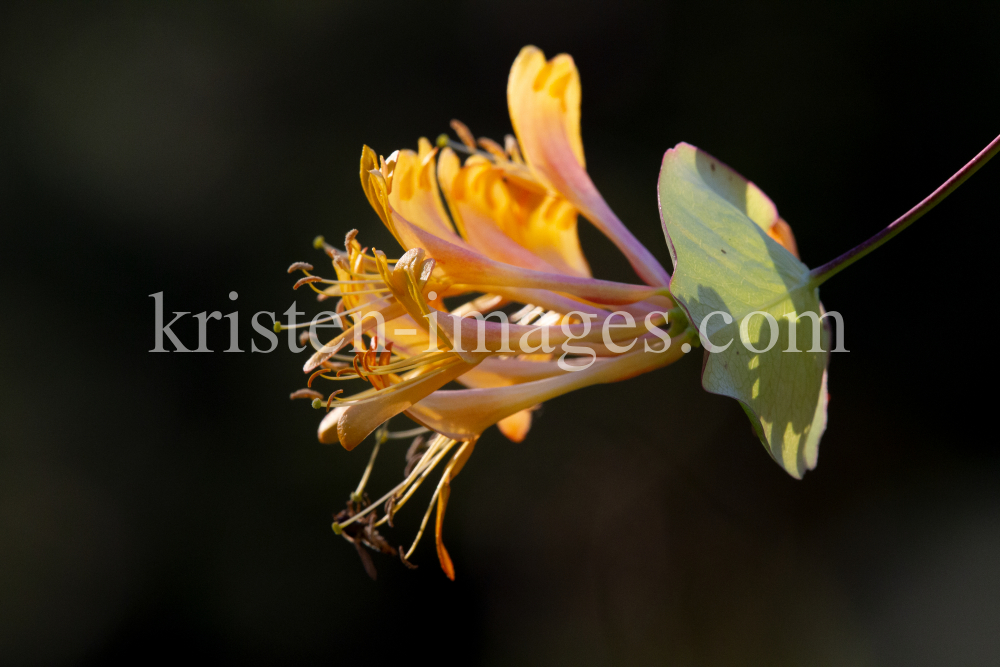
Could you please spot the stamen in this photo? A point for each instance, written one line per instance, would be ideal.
(493, 148)
(516, 317)
(423, 524)
(463, 132)
(305, 393)
(380, 501)
(337, 318)
(420, 480)
(444, 141)
(379, 439)
(333, 396)
(531, 315)
(317, 374)
(408, 564)
(444, 480)
(513, 150)
(305, 281)
(300, 266)
(403, 435)
(320, 244)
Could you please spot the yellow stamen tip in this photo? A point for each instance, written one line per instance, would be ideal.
(277, 327)
(442, 140)
(318, 242)
(318, 404)
(337, 530)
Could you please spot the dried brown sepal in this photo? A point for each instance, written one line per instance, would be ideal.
(366, 561)
(363, 535)
(390, 510)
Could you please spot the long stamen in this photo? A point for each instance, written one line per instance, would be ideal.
(380, 437)
(440, 453)
(403, 435)
(431, 505)
(337, 527)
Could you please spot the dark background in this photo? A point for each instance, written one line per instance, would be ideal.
(170, 505)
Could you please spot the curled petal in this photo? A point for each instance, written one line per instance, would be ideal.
(357, 421)
(544, 101)
(415, 191)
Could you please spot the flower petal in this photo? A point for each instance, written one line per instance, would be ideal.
(544, 101)
(414, 192)
(516, 426)
(465, 413)
(357, 421)
(501, 218)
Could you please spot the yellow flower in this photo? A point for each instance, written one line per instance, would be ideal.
(500, 230)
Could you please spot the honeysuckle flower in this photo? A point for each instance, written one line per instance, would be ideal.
(498, 230)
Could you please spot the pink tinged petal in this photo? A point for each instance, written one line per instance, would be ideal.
(544, 101)
(466, 413)
(462, 265)
(356, 422)
(499, 372)
(465, 332)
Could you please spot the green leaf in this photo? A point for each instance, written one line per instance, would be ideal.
(716, 224)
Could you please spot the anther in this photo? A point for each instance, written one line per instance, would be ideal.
(305, 393)
(305, 281)
(402, 557)
(312, 377)
(493, 148)
(333, 396)
(463, 132)
(300, 266)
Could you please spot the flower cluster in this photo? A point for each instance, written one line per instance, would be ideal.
(499, 231)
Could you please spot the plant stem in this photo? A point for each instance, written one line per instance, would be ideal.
(821, 274)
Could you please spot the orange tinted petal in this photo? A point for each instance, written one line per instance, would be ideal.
(516, 426)
(544, 101)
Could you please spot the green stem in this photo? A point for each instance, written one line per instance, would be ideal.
(821, 274)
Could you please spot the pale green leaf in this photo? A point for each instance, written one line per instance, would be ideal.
(716, 225)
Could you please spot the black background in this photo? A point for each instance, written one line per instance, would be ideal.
(160, 506)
